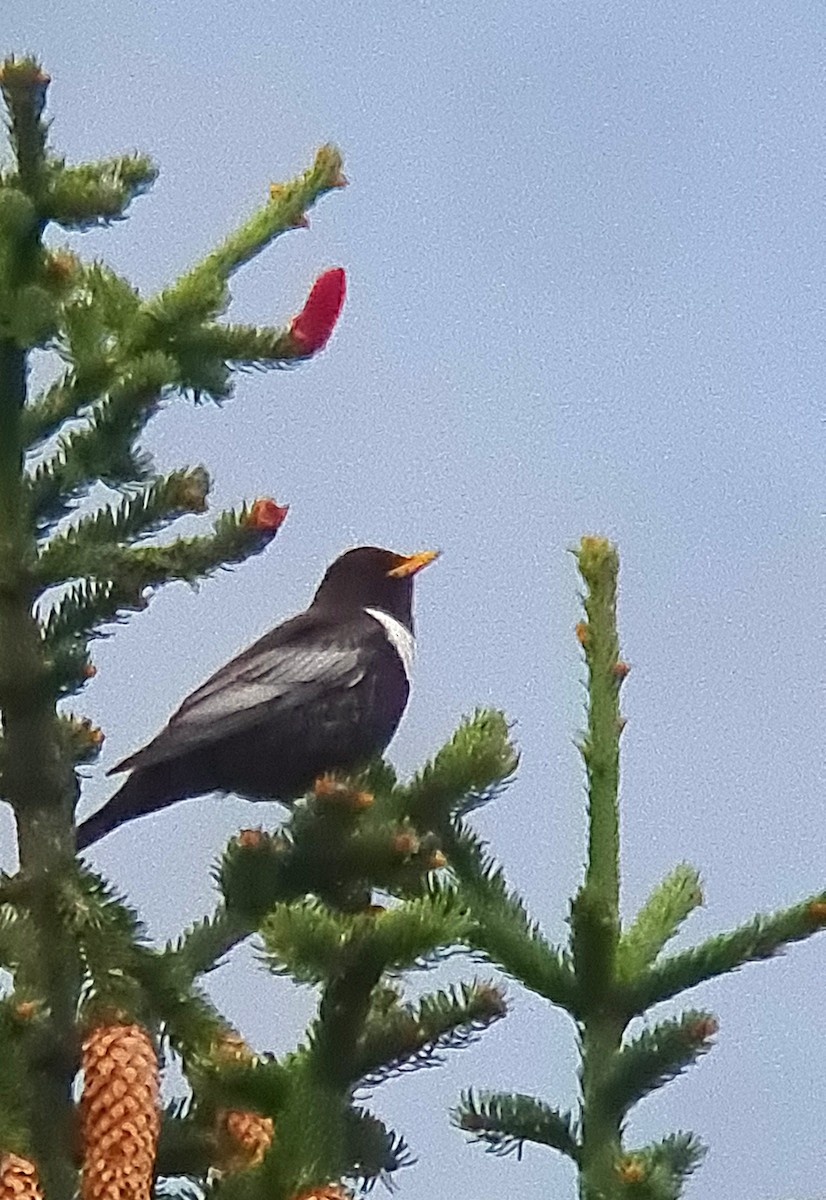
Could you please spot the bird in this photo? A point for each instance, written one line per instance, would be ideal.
(322, 692)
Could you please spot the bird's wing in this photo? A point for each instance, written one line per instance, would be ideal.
(287, 668)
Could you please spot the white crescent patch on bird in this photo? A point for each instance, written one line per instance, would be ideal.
(399, 636)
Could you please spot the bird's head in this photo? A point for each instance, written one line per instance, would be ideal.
(370, 577)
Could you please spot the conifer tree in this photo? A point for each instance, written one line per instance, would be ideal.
(609, 974)
(93, 1008)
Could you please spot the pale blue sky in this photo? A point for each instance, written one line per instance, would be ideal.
(586, 270)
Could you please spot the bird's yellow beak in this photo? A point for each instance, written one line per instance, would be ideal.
(409, 564)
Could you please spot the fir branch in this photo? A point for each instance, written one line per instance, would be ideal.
(123, 973)
(201, 293)
(254, 873)
(262, 1086)
(56, 404)
(656, 1056)
(81, 741)
(102, 449)
(473, 767)
(598, 565)
(88, 605)
(94, 337)
(235, 537)
(401, 1038)
(335, 860)
(410, 934)
(504, 1122)
(309, 941)
(659, 1171)
(95, 193)
(681, 1153)
(188, 1018)
(97, 334)
(203, 946)
(311, 1152)
(199, 371)
(79, 615)
(313, 942)
(252, 346)
(374, 1151)
(69, 667)
(24, 84)
(108, 935)
(78, 550)
(502, 929)
(99, 316)
(340, 854)
(659, 919)
(763, 937)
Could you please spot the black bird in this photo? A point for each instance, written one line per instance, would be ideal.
(323, 691)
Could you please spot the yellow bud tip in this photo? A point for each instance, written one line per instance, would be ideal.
(194, 491)
(817, 911)
(593, 543)
(405, 843)
(230, 1048)
(61, 266)
(581, 630)
(620, 669)
(631, 1170)
(436, 861)
(494, 997)
(23, 73)
(250, 837)
(329, 787)
(704, 1028)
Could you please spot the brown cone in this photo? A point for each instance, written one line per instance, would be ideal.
(18, 1179)
(119, 1113)
(242, 1138)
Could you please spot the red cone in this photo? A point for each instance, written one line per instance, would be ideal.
(311, 328)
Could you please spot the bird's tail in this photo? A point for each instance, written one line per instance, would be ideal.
(145, 791)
